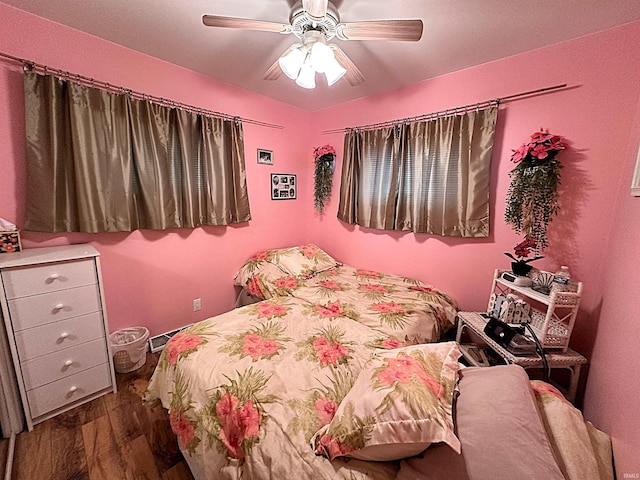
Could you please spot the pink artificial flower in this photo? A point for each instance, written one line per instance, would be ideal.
(309, 251)
(557, 143)
(388, 307)
(330, 284)
(289, 283)
(269, 310)
(541, 136)
(325, 409)
(182, 427)
(323, 150)
(253, 286)
(520, 153)
(391, 343)
(540, 152)
(330, 311)
(179, 343)
(369, 287)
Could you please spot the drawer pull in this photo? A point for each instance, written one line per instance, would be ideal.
(73, 389)
(54, 276)
(68, 363)
(59, 306)
(64, 335)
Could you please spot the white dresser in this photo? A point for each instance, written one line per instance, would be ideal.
(54, 312)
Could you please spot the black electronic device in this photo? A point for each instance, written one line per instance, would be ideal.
(509, 337)
(499, 331)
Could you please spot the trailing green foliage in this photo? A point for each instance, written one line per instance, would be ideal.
(323, 176)
(532, 199)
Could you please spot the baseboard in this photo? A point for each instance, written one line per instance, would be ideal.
(158, 342)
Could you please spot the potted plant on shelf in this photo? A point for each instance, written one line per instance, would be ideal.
(324, 158)
(532, 198)
(520, 265)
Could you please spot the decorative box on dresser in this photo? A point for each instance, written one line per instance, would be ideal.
(54, 313)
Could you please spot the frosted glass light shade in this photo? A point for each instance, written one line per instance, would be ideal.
(292, 62)
(307, 76)
(334, 71)
(321, 56)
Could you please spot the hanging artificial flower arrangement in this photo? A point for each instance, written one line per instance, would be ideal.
(532, 198)
(324, 158)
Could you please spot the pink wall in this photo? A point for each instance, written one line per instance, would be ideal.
(152, 277)
(596, 115)
(614, 379)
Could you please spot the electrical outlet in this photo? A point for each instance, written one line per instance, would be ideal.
(197, 304)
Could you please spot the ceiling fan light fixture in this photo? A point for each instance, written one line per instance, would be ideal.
(307, 76)
(321, 56)
(292, 61)
(334, 71)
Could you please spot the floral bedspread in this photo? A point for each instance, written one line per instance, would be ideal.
(404, 309)
(247, 390)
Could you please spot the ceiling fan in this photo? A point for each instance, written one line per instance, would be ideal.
(315, 22)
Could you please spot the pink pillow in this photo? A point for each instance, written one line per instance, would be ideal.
(500, 430)
(398, 406)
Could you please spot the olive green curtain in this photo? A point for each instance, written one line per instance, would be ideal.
(425, 177)
(98, 161)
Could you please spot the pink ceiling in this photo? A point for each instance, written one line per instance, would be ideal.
(457, 35)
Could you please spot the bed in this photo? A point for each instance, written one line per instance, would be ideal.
(292, 387)
(405, 309)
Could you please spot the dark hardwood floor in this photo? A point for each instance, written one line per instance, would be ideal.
(113, 437)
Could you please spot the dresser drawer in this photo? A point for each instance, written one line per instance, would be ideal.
(52, 367)
(53, 337)
(33, 280)
(27, 312)
(68, 390)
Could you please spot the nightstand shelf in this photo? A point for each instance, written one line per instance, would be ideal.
(552, 316)
(569, 360)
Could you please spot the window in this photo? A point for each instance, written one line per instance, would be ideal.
(98, 161)
(425, 177)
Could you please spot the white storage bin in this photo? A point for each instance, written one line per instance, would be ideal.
(129, 348)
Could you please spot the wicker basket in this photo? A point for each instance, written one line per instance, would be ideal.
(129, 348)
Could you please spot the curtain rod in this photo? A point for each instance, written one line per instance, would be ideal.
(87, 81)
(448, 111)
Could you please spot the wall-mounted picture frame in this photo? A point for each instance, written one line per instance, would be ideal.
(265, 157)
(635, 183)
(284, 186)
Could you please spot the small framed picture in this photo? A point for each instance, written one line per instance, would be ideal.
(283, 186)
(265, 157)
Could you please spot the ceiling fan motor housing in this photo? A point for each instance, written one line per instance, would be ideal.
(302, 22)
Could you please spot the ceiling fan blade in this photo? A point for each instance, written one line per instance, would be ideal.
(315, 8)
(245, 24)
(273, 72)
(400, 30)
(354, 76)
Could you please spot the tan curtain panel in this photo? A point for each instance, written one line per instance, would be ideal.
(425, 177)
(104, 162)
